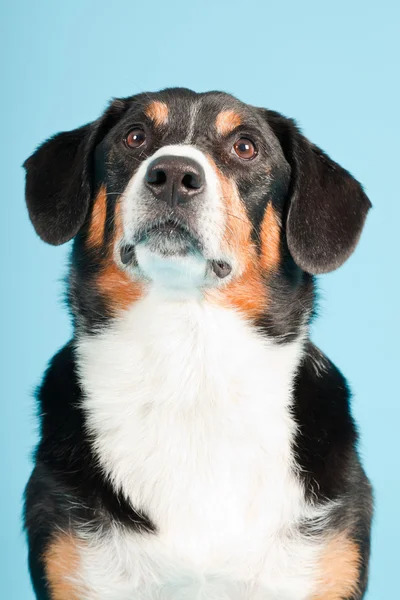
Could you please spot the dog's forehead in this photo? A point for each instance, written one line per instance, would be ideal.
(188, 114)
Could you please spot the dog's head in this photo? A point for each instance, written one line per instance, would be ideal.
(194, 193)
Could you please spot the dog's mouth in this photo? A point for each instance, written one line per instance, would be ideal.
(168, 226)
(170, 238)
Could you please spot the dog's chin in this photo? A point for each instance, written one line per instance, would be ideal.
(171, 264)
(172, 258)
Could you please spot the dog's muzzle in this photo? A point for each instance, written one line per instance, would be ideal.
(174, 221)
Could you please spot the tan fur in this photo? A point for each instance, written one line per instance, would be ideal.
(158, 112)
(227, 121)
(270, 240)
(98, 219)
(248, 292)
(119, 228)
(61, 561)
(339, 568)
(115, 285)
(117, 288)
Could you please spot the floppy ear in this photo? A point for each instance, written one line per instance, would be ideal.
(327, 206)
(59, 178)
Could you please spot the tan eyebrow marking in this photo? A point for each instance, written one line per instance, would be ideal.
(158, 112)
(227, 121)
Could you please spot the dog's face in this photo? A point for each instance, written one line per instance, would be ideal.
(194, 194)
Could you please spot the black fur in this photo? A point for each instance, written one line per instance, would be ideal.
(67, 484)
(60, 177)
(328, 207)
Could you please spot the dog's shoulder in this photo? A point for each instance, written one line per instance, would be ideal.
(327, 437)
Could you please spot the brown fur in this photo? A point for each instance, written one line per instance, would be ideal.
(61, 561)
(158, 112)
(247, 292)
(339, 568)
(227, 121)
(270, 240)
(98, 219)
(117, 288)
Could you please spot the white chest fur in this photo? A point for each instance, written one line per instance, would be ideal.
(190, 412)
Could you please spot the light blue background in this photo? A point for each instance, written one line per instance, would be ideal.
(334, 66)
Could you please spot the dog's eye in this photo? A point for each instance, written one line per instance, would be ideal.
(135, 138)
(245, 149)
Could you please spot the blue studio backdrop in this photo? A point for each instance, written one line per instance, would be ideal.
(332, 66)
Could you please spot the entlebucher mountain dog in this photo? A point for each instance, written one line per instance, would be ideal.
(195, 444)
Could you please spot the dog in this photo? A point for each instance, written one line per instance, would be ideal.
(194, 443)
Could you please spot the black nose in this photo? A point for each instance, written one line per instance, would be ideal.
(175, 179)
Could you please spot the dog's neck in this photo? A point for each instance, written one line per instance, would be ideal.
(183, 357)
(187, 342)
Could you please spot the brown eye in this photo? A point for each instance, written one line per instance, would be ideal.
(244, 149)
(135, 138)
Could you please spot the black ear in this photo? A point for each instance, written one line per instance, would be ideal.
(59, 178)
(327, 206)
